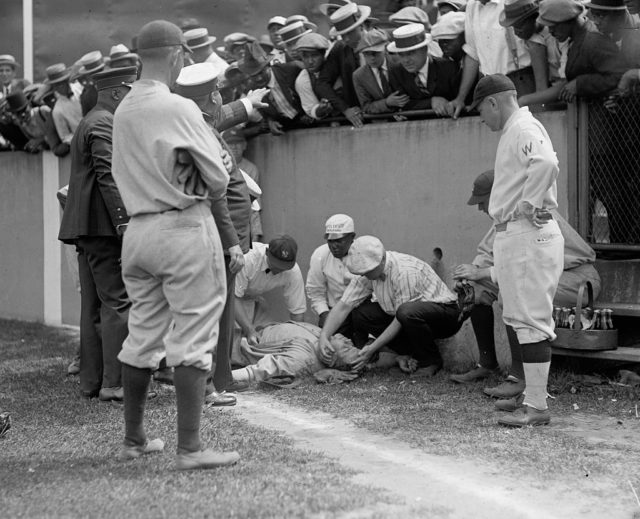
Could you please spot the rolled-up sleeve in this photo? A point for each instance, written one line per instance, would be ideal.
(358, 291)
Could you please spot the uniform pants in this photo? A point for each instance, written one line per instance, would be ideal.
(528, 265)
(173, 269)
(222, 370)
(422, 323)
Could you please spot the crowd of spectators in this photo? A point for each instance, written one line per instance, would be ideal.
(426, 57)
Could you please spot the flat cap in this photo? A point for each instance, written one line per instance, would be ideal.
(449, 26)
(365, 254)
(551, 12)
(198, 80)
(312, 40)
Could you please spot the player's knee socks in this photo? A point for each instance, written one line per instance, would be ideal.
(482, 322)
(135, 385)
(536, 361)
(516, 354)
(190, 385)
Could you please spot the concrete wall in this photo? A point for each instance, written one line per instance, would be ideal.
(406, 183)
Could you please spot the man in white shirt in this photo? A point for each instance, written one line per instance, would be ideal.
(528, 248)
(328, 275)
(267, 267)
(200, 44)
(490, 48)
(67, 112)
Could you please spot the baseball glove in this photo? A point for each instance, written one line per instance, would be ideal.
(466, 299)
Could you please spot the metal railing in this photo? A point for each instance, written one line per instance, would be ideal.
(609, 174)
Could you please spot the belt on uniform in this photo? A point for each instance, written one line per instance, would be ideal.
(501, 227)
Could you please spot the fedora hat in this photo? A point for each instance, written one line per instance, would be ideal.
(409, 37)
(606, 5)
(90, 63)
(197, 38)
(374, 40)
(8, 59)
(348, 17)
(57, 73)
(293, 31)
(254, 60)
(517, 10)
(120, 52)
(17, 101)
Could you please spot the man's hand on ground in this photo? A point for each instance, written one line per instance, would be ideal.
(407, 364)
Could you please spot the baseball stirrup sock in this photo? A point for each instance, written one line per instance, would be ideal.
(190, 383)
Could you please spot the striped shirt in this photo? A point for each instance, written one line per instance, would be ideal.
(407, 278)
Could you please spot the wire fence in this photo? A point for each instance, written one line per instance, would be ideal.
(613, 166)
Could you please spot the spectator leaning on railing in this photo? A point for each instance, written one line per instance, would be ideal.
(67, 111)
(311, 49)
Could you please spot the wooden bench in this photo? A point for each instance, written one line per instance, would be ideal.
(620, 292)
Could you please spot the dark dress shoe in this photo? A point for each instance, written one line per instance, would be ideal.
(526, 416)
(477, 373)
(508, 389)
(509, 404)
(237, 386)
(223, 399)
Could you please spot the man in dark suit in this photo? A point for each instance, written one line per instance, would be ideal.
(95, 219)
(371, 81)
(342, 62)
(231, 210)
(284, 108)
(429, 82)
(13, 137)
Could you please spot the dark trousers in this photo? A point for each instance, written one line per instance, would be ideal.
(422, 323)
(221, 370)
(104, 300)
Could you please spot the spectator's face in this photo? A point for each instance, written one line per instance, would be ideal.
(340, 247)
(524, 29)
(633, 6)
(238, 51)
(561, 31)
(7, 73)
(312, 59)
(373, 59)
(275, 38)
(414, 60)
(607, 21)
(352, 38)
(237, 148)
(291, 50)
(451, 47)
(490, 113)
(261, 79)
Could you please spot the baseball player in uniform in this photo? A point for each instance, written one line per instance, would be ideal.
(172, 258)
(528, 247)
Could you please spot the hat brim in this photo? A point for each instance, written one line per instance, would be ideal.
(510, 22)
(296, 37)
(336, 235)
(209, 41)
(130, 55)
(13, 64)
(392, 47)
(590, 5)
(86, 71)
(379, 47)
(278, 263)
(60, 79)
(364, 12)
(476, 199)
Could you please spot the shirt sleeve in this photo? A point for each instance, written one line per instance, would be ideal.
(242, 277)
(358, 291)
(484, 257)
(63, 129)
(294, 291)
(317, 284)
(308, 98)
(470, 42)
(535, 150)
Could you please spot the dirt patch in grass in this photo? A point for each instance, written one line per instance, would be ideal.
(58, 460)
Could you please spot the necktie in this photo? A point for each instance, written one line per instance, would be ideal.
(423, 89)
(383, 81)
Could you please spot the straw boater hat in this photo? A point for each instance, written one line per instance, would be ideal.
(57, 73)
(293, 31)
(516, 11)
(301, 18)
(329, 9)
(90, 63)
(348, 17)
(197, 38)
(120, 52)
(606, 5)
(8, 59)
(409, 37)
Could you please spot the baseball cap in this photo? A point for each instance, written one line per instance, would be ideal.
(365, 254)
(481, 188)
(337, 226)
(282, 252)
(491, 84)
(161, 33)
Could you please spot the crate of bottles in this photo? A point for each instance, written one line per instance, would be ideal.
(585, 327)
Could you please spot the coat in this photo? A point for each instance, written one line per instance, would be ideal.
(341, 63)
(370, 96)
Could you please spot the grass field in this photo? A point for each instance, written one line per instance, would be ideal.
(58, 459)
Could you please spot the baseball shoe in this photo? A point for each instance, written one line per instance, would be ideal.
(132, 452)
(508, 389)
(526, 416)
(509, 404)
(223, 399)
(205, 459)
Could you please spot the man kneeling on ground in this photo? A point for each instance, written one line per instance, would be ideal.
(414, 307)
